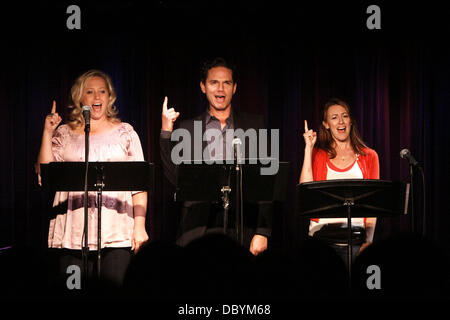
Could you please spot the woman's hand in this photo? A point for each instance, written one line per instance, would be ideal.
(310, 137)
(307, 168)
(52, 120)
(138, 238)
(364, 246)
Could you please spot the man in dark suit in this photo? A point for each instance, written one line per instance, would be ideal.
(218, 83)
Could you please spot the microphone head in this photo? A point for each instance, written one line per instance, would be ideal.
(236, 141)
(86, 111)
(86, 108)
(404, 153)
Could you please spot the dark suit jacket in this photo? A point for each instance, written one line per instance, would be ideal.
(199, 217)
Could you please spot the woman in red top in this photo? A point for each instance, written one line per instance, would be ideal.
(340, 154)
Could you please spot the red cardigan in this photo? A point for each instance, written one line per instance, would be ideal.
(368, 163)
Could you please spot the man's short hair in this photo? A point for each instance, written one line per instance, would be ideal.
(217, 62)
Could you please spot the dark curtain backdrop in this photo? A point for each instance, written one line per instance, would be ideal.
(291, 58)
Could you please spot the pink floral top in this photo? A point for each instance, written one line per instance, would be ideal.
(66, 230)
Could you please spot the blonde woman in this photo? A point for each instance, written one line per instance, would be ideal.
(123, 213)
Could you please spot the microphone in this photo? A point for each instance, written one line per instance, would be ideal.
(237, 149)
(86, 110)
(406, 154)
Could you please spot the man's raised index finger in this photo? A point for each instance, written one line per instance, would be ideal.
(165, 104)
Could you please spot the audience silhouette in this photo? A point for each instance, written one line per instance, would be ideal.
(410, 266)
(217, 268)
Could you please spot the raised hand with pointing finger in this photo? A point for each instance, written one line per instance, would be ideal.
(169, 116)
(52, 120)
(310, 137)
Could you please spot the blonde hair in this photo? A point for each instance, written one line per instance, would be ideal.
(75, 118)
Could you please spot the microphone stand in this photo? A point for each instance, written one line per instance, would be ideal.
(85, 248)
(424, 222)
(411, 176)
(226, 191)
(239, 208)
(99, 185)
(423, 207)
(405, 154)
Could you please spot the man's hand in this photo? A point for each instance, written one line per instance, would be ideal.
(168, 117)
(258, 244)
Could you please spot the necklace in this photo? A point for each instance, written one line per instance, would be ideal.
(343, 158)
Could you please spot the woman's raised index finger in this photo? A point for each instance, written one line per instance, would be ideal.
(306, 126)
(54, 107)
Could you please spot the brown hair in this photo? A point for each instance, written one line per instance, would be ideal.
(325, 139)
(217, 62)
(75, 118)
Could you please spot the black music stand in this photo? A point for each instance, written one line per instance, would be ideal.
(213, 182)
(102, 176)
(352, 198)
